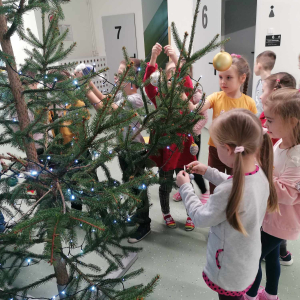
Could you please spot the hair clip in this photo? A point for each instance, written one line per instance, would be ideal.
(236, 55)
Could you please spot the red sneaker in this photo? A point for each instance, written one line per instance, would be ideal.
(177, 197)
(31, 192)
(189, 225)
(169, 221)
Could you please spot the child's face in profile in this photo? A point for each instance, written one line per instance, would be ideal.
(266, 93)
(257, 69)
(230, 81)
(121, 69)
(170, 70)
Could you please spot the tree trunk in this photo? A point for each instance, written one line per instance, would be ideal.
(22, 112)
(17, 90)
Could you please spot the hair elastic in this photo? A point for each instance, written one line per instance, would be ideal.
(236, 55)
(239, 149)
(278, 80)
(265, 130)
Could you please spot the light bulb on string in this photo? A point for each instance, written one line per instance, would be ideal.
(28, 261)
(72, 197)
(92, 189)
(63, 292)
(49, 157)
(34, 173)
(76, 161)
(93, 288)
(46, 77)
(20, 73)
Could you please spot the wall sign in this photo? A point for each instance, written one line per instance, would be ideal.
(119, 31)
(273, 40)
(272, 15)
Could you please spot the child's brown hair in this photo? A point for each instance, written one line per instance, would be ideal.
(240, 127)
(280, 80)
(267, 60)
(243, 67)
(136, 63)
(286, 103)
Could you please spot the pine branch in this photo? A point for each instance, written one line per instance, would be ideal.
(17, 20)
(177, 40)
(194, 28)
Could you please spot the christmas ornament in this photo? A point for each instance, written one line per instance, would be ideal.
(12, 181)
(194, 149)
(190, 174)
(222, 61)
(154, 78)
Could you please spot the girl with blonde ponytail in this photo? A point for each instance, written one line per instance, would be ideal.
(236, 210)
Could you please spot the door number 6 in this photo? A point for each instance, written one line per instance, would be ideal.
(204, 17)
(119, 30)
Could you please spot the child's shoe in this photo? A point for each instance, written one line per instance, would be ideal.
(169, 221)
(141, 232)
(189, 225)
(262, 295)
(204, 197)
(177, 197)
(286, 260)
(31, 192)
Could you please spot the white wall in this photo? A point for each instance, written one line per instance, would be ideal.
(116, 7)
(85, 16)
(149, 7)
(287, 23)
(18, 44)
(77, 15)
(180, 12)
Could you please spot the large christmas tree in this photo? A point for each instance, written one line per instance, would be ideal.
(63, 171)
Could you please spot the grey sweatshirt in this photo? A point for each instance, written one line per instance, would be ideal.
(258, 102)
(240, 257)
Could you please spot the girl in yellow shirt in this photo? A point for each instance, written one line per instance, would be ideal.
(231, 83)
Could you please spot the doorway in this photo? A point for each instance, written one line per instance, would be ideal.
(239, 23)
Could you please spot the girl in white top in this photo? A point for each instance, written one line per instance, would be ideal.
(236, 210)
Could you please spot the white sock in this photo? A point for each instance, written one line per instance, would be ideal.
(271, 297)
(250, 298)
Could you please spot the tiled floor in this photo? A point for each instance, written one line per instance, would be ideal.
(178, 256)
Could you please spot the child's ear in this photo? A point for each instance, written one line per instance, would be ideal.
(229, 150)
(243, 78)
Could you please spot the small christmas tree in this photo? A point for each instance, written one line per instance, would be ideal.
(64, 171)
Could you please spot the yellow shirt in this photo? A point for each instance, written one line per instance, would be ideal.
(221, 103)
(67, 134)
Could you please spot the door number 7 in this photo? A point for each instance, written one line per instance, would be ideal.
(119, 30)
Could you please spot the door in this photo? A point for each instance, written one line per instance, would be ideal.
(208, 25)
(119, 31)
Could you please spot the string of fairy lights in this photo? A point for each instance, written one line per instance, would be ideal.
(44, 168)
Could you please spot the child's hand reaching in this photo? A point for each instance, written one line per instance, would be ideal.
(156, 50)
(182, 178)
(197, 168)
(170, 51)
